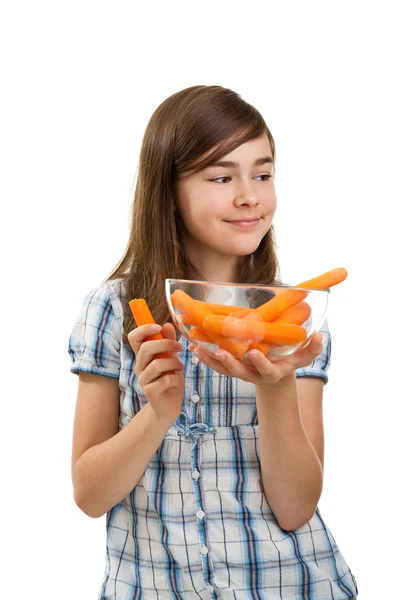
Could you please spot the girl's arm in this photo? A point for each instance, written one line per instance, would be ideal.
(291, 472)
(107, 464)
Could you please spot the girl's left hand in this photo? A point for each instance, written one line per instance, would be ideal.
(259, 369)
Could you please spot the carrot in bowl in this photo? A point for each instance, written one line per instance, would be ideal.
(278, 304)
(235, 347)
(241, 329)
(295, 315)
(326, 280)
(193, 310)
(224, 309)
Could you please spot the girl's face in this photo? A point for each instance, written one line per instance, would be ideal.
(227, 209)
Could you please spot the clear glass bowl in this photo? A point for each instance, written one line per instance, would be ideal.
(227, 301)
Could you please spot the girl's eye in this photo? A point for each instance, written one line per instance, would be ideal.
(265, 175)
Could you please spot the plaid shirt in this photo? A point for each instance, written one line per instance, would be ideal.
(197, 524)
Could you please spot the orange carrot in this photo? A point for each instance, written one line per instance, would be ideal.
(223, 309)
(241, 312)
(235, 347)
(143, 316)
(284, 300)
(326, 280)
(295, 315)
(193, 310)
(242, 329)
(199, 335)
(275, 307)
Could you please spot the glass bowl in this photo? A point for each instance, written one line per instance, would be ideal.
(213, 315)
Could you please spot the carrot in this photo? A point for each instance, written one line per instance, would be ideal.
(198, 334)
(295, 315)
(278, 304)
(242, 329)
(326, 280)
(143, 316)
(241, 312)
(274, 307)
(193, 310)
(223, 309)
(235, 347)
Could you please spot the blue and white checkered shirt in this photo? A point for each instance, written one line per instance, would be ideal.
(197, 524)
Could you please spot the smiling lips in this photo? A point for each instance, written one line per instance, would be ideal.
(245, 222)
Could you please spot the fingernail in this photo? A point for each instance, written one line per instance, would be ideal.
(221, 357)
(155, 328)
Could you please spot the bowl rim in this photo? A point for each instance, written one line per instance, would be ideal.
(245, 285)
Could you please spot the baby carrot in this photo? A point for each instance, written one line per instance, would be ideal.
(198, 334)
(278, 334)
(326, 280)
(143, 316)
(223, 309)
(193, 310)
(274, 307)
(235, 347)
(241, 312)
(296, 315)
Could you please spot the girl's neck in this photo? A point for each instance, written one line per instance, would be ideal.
(220, 272)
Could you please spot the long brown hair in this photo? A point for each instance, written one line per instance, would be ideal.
(182, 129)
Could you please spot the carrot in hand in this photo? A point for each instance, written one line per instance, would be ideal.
(143, 316)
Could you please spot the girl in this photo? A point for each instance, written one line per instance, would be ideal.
(210, 477)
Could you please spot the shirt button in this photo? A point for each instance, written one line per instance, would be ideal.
(195, 397)
(195, 360)
(204, 550)
(200, 514)
(195, 474)
(209, 587)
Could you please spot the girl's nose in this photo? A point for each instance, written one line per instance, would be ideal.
(246, 195)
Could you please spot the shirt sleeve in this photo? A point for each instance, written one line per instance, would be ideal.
(320, 365)
(95, 340)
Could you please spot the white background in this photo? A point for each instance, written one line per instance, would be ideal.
(80, 81)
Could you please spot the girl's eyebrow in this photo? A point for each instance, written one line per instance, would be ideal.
(229, 164)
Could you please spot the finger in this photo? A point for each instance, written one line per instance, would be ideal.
(212, 362)
(137, 336)
(157, 368)
(235, 367)
(149, 350)
(264, 367)
(168, 331)
(166, 382)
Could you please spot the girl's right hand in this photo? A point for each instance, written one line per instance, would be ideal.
(163, 391)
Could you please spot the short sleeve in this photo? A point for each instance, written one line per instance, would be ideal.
(95, 340)
(320, 365)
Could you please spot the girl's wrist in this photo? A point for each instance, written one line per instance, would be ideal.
(283, 383)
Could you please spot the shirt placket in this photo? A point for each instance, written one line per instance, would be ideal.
(194, 431)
